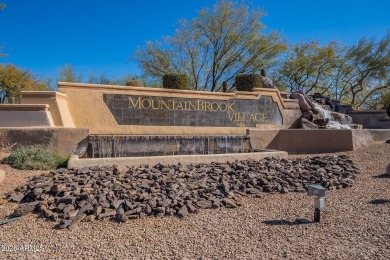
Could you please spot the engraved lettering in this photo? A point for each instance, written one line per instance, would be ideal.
(162, 102)
(231, 116)
(215, 108)
(179, 106)
(258, 119)
(200, 105)
(137, 104)
(265, 119)
(191, 105)
(223, 109)
(254, 113)
(230, 107)
(143, 103)
(154, 102)
(207, 106)
(239, 117)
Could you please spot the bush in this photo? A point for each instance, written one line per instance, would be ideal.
(224, 87)
(35, 158)
(134, 83)
(247, 82)
(176, 81)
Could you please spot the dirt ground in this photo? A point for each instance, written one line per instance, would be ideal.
(355, 225)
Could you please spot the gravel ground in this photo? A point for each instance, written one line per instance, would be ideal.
(355, 225)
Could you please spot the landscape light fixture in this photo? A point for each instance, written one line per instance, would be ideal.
(319, 200)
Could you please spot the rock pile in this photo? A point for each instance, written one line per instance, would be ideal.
(120, 193)
(325, 119)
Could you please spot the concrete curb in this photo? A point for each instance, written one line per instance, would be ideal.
(76, 162)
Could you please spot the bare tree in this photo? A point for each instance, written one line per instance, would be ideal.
(68, 74)
(213, 47)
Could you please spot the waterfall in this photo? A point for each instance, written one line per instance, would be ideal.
(103, 146)
(326, 114)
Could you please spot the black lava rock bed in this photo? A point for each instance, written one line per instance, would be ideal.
(120, 193)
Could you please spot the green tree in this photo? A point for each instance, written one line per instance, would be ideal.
(13, 80)
(214, 47)
(356, 74)
(68, 74)
(307, 67)
(366, 70)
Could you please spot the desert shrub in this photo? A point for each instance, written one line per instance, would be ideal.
(35, 158)
(134, 83)
(246, 82)
(224, 87)
(176, 81)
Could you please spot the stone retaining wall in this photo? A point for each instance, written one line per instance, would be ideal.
(315, 141)
(375, 119)
(61, 140)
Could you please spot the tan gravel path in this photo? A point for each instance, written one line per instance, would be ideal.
(356, 225)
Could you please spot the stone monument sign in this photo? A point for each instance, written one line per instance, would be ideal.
(124, 110)
(179, 111)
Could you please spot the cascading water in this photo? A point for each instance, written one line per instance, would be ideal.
(101, 146)
(328, 115)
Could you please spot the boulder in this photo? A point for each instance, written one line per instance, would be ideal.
(342, 118)
(306, 124)
(321, 121)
